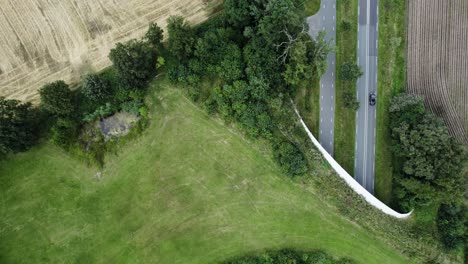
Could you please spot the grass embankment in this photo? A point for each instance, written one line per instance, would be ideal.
(312, 6)
(345, 119)
(391, 81)
(308, 103)
(188, 190)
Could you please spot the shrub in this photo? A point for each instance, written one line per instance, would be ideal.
(451, 225)
(181, 37)
(57, 98)
(349, 72)
(132, 106)
(289, 256)
(345, 26)
(64, 132)
(135, 63)
(100, 112)
(96, 88)
(154, 35)
(289, 158)
(18, 126)
(350, 101)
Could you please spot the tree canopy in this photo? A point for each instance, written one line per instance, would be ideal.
(154, 35)
(429, 159)
(96, 88)
(18, 125)
(57, 98)
(135, 62)
(181, 37)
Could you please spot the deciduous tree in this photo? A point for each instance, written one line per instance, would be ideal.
(135, 63)
(57, 98)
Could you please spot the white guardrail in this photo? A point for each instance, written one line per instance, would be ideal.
(350, 180)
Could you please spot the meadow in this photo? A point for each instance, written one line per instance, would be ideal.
(188, 190)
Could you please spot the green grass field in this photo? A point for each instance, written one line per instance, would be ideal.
(189, 190)
(391, 81)
(345, 119)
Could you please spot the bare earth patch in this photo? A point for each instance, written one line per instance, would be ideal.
(43, 41)
(438, 59)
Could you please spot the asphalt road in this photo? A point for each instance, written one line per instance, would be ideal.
(364, 167)
(325, 19)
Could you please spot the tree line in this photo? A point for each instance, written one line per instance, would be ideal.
(428, 166)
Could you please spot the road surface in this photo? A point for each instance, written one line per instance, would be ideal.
(325, 20)
(364, 167)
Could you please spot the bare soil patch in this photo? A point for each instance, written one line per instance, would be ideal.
(438, 59)
(42, 40)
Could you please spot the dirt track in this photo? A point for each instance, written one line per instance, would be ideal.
(45, 40)
(438, 59)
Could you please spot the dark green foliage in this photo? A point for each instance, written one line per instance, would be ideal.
(64, 132)
(350, 101)
(428, 160)
(154, 35)
(240, 101)
(57, 98)
(18, 126)
(289, 158)
(345, 26)
(349, 72)
(135, 62)
(96, 88)
(244, 13)
(132, 106)
(216, 53)
(100, 113)
(261, 62)
(451, 225)
(181, 37)
(300, 61)
(289, 256)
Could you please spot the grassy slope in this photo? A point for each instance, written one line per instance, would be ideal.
(391, 81)
(307, 100)
(189, 190)
(345, 119)
(312, 6)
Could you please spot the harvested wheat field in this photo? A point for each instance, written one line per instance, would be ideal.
(438, 59)
(45, 40)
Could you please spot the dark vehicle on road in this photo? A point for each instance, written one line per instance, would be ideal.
(372, 98)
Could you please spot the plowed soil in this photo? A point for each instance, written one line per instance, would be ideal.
(46, 40)
(438, 59)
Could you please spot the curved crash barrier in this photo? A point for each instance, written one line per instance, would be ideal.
(350, 180)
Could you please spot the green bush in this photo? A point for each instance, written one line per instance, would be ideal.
(18, 126)
(135, 63)
(100, 113)
(132, 106)
(289, 256)
(346, 26)
(96, 88)
(64, 132)
(349, 72)
(154, 35)
(350, 101)
(57, 98)
(289, 158)
(451, 225)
